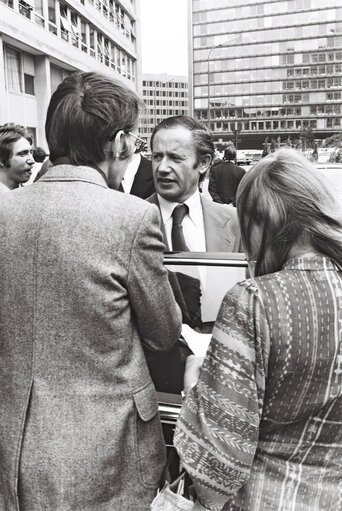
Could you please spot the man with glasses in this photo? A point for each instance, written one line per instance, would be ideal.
(83, 293)
(138, 178)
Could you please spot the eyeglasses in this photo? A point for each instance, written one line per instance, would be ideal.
(139, 142)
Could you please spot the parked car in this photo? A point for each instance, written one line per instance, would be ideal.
(243, 159)
(218, 273)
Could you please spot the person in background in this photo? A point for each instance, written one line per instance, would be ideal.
(39, 156)
(138, 178)
(83, 293)
(16, 159)
(224, 178)
(262, 428)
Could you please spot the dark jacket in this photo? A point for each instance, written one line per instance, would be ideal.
(143, 185)
(223, 182)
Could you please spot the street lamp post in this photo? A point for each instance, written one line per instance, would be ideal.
(219, 45)
(209, 111)
(155, 99)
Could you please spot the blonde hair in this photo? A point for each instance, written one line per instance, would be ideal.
(291, 202)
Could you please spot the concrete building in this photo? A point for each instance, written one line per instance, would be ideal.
(164, 96)
(268, 67)
(42, 41)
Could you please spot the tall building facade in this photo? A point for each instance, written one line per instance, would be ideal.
(266, 67)
(164, 96)
(42, 41)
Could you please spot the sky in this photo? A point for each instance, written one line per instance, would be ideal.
(164, 40)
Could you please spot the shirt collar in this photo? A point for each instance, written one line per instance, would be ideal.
(310, 262)
(132, 168)
(193, 202)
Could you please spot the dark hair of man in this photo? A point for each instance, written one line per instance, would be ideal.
(9, 134)
(86, 111)
(290, 202)
(39, 154)
(229, 153)
(203, 142)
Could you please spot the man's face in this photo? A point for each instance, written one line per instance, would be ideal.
(21, 162)
(174, 164)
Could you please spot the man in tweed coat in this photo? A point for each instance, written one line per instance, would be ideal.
(83, 293)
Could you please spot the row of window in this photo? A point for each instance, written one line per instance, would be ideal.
(169, 84)
(74, 29)
(276, 34)
(257, 88)
(274, 21)
(211, 13)
(269, 63)
(20, 72)
(264, 74)
(252, 48)
(293, 111)
(165, 102)
(275, 125)
(168, 94)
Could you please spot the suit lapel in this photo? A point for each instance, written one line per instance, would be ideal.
(216, 219)
(154, 200)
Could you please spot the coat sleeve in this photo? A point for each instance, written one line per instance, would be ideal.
(213, 187)
(217, 431)
(158, 316)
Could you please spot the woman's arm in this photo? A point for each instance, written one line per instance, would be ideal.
(217, 432)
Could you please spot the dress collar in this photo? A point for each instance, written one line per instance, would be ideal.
(311, 261)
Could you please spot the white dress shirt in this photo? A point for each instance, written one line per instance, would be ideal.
(193, 225)
(132, 169)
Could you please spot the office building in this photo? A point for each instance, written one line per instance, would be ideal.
(164, 96)
(268, 68)
(42, 41)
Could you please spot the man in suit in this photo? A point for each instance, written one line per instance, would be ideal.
(83, 293)
(182, 151)
(16, 159)
(224, 179)
(138, 178)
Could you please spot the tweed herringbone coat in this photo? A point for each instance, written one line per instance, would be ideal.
(83, 292)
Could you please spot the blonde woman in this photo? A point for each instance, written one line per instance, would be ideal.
(262, 428)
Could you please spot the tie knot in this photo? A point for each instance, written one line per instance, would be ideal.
(179, 213)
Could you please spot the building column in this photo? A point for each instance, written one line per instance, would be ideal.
(43, 94)
(3, 91)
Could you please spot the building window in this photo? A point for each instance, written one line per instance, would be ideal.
(29, 84)
(13, 63)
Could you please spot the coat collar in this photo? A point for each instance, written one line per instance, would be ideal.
(67, 172)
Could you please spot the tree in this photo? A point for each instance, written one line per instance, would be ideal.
(334, 141)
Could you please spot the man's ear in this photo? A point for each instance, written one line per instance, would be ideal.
(113, 148)
(204, 163)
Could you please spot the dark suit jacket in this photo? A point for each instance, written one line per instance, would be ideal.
(143, 185)
(223, 182)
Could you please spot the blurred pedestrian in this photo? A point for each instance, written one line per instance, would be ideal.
(39, 156)
(16, 159)
(262, 428)
(224, 178)
(83, 293)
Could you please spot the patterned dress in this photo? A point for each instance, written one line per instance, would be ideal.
(262, 429)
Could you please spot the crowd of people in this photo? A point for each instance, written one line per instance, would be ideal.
(91, 320)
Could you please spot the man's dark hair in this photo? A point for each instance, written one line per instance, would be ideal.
(203, 142)
(39, 154)
(86, 111)
(9, 134)
(229, 153)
